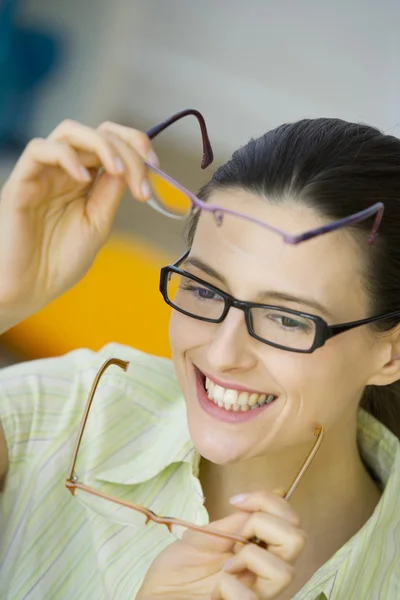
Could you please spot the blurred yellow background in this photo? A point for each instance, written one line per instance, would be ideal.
(111, 303)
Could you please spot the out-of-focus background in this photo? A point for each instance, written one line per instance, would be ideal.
(247, 66)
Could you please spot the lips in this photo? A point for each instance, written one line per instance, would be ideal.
(228, 404)
(232, 399)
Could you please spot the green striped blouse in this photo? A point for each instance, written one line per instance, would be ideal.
(137, 446)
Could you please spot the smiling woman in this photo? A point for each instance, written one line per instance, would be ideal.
(332, 169)
(285, 325)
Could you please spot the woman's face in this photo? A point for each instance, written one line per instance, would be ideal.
(309, 389)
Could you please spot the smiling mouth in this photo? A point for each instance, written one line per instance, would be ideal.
(235, 400)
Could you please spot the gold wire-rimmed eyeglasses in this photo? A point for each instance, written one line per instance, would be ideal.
(127, 513)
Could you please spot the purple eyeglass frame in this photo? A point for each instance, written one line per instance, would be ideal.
(218, 212)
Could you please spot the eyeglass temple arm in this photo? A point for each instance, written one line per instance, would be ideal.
(377, 222)
(319, 434)
(112, 361)
(208, 155)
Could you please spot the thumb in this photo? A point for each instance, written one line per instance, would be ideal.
(104, 200)
(229, 525)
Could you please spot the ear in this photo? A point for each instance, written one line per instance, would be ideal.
(388, 370)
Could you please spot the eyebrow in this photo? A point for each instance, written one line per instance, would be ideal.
(283, 296)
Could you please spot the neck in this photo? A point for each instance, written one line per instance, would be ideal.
(333, 500)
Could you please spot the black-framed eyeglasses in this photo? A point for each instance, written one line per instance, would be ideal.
(283, 328)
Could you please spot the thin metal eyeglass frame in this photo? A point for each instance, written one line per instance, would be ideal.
(218, 212)
(323, 331)
(72, 482)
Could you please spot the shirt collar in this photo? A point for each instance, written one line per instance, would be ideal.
(132, 435)
(380, 450)
(137, 447)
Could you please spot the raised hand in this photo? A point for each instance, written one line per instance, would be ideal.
(57, 209)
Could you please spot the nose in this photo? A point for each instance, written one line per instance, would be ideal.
(230, 348)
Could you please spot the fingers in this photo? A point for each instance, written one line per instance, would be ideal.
(134, 138)
(134, 167)
(272, 520)
(275, 523)
(40, 152)
(101, 151)
(74, 147)
(230, 588)
(281, 538)
(103, 203)
(133, 147)
(230, 525)
(273, 574)
(266, 502)
(120, 150)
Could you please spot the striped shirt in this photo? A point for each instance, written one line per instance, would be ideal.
(137, 447)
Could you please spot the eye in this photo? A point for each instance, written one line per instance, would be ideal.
(204, 293)
(289, 323)
(200, 292)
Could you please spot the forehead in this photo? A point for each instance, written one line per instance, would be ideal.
(328, 267)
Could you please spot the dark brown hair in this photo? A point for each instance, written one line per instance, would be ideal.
(338, 168)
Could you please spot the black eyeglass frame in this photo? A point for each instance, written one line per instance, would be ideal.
(323, 331)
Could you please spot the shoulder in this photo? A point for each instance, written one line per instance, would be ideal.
(145, 369)
(40, 378)
(43, 400)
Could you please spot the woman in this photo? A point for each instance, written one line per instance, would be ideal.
(256, 362)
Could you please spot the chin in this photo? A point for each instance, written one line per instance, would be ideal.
(213, 442)
(213, 449)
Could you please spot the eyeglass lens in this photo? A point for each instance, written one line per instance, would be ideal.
(274, 325)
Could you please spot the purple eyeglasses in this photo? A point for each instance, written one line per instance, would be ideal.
(175, 201)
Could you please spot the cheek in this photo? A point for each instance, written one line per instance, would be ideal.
(324, 385)
(175, 332)
(186, 333)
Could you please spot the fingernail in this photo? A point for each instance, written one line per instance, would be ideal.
(84, 173)
(119, 165)
(152, 158)
(279, 492)
(238, 498)
(145, 189)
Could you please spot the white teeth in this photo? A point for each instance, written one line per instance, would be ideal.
(234, 400)
(230, 397)
(243, 398)
(253, 399)
(262, 399)
(218, 393)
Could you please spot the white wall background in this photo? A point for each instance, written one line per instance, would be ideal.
(247, 66)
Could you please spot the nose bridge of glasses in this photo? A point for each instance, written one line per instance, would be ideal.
(239, 304)
(231, 302)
